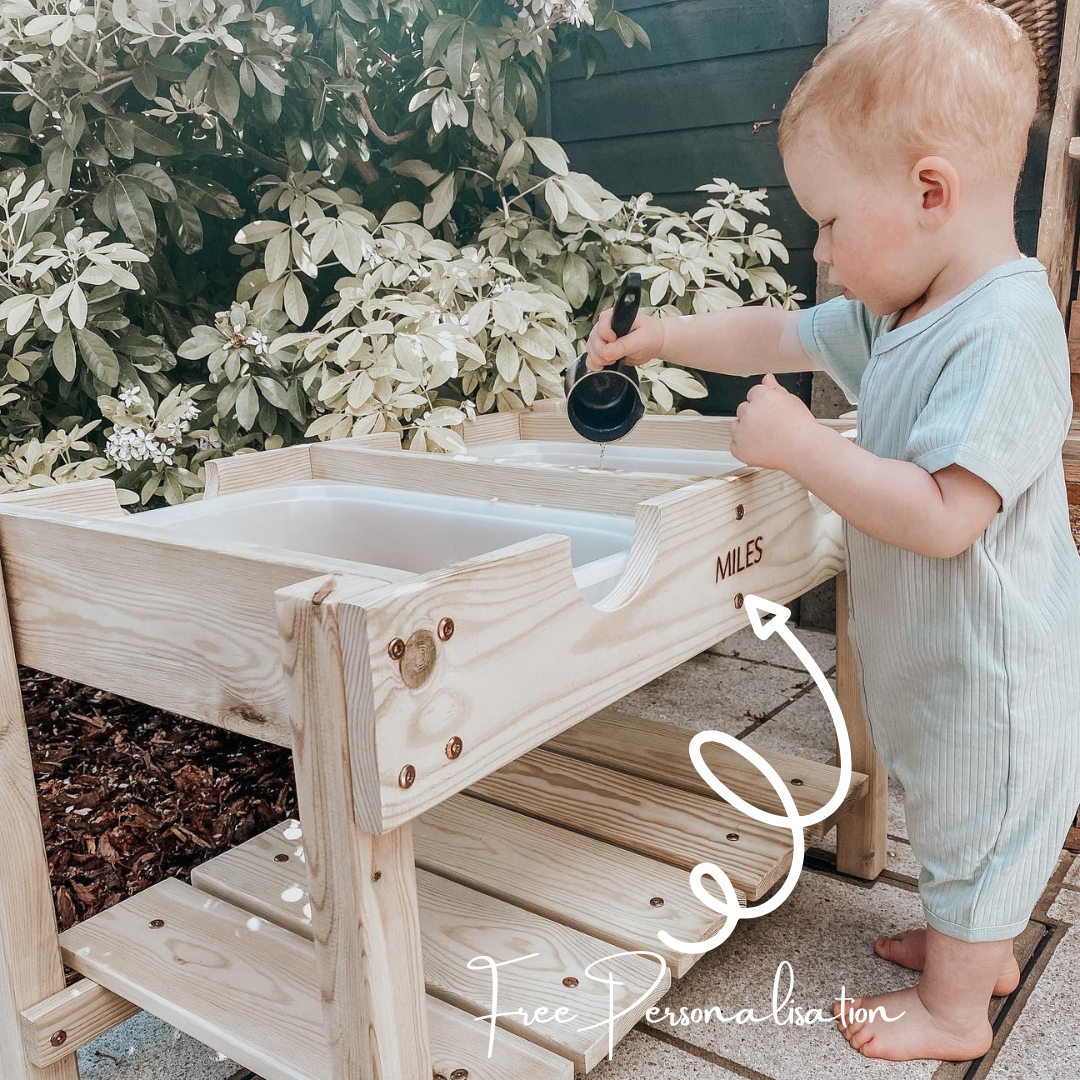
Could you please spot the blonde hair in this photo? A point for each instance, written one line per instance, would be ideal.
(918, 77)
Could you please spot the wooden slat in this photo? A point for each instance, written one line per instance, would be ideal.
(1057, 226)
(83, 1012)
(1070, 454)
(861, 844)
(704, 29)
(458, 925)
(733, 90)
(88, 498)
(30, 968)
(249, 990)
(207, 646)
(660, 752)
(493, 428)
(672, 826)
(365, 914)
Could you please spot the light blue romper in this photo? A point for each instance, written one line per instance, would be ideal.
(970, 666)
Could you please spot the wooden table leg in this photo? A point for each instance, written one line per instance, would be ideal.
(860, 833)
(364, 908)
(30, 965)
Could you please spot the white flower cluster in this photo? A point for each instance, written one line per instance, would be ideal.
(551, 12)
(137, 443)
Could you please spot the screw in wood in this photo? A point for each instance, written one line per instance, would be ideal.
(396, 649)
(446, 629)
(739, 511)
(156, 924)
(376, 876)
(797, 783)
(453, 748)
(58, 1038)
(570, 981)
(733, 836)
(657, 901)
(407, 776)
(738, 600)
(281, 858)
(460, 1074)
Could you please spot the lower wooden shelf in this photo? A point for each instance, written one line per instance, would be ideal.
(576, 854)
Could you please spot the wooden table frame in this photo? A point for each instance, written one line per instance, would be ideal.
(350, 725)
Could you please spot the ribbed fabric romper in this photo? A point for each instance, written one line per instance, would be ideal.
(970, 666)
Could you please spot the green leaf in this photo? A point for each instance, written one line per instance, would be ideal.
(118, 137)
(59, 158)
(226, 90)
(134, 212)
(208, 196)
(270, 78)
(63, 354)
(247, 405)
(185, 226)
(438, 33)
(247, 78)
(461, 56)
(145, 81)
(154, 180)
(296, 302)
(99, 358)
(153, 138)
(442, 201)
(550, 153)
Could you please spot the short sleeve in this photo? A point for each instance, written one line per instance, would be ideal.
(839, 335)
(999, 408)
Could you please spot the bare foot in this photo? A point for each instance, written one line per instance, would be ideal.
(908, 949)
(916, 1034)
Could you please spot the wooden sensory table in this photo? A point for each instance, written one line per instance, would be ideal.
(465, 786)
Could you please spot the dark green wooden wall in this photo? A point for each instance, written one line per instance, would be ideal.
(705, 102)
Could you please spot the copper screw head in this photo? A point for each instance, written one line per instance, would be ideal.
(460, 1074)
(657, 901)
(797, 783)
(453, 748)
(396, 649)
(446, 629)
(281, 858)
(376, 876)
(739, 511)
(58, 1038)
(738, 600)
(156, 924)
(407, 776)
(733, 836)
(570, 981)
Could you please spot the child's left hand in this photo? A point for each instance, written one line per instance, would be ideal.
(771, 426)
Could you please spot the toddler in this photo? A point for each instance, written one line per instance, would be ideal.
(905, 142)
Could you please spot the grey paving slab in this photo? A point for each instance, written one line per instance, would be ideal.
(1066, 907)
(825, 931)
(146, 1048)
(1044, 1043)
(746, 645)
(642, 1057)
(1072, 875)
(715, 693)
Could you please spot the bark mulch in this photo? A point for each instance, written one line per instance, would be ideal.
(130, 795)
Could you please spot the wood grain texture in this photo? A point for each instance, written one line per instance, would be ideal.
(205, 643)
(1057, 226)
(364, 908)
(30, 967)
(88, 498)
(861, 842)
(1070, 454)
(660, 752)
(663, 823)
(83, 1011)
(520, 611)
(458, 925)
(249, 989)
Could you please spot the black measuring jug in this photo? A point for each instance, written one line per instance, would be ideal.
(604, 405)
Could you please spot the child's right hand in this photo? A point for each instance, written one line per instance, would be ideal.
(644, 342)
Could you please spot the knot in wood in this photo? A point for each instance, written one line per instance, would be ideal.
(418, 660)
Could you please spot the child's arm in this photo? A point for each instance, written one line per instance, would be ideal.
(742, 341)
(937, 514)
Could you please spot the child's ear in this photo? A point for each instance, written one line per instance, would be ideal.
(938, 186)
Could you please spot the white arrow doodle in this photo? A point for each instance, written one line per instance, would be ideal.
(729, 906)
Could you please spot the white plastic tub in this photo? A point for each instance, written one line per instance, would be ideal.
(645, 459)
(407, 530)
